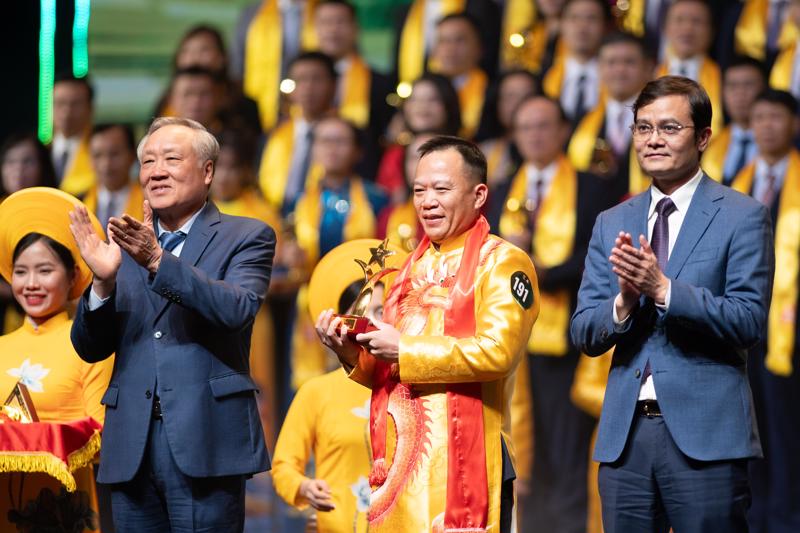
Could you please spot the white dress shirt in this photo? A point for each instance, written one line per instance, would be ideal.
(534, 175)
(686, 67)
(682, 198)
(431, 16)
(619, 116)
(119, 199)
(761, 176)
(573, 70)
(95, 301)
(63, 144)
(301, 149)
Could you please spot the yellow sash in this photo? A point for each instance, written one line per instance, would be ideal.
(79, 177)
(495, 150)
(262, 57)
(471, 97)
(401, 227)
(713, 161)
(631, 20)
(275, 162)
(355, 96)
(519, 18)
(411, 59)
(251, 204)
(553, 242)
(582, 146)
(781, 75)
(551, 84)
(133, 207)
(360, 222)
(782, 313)
(710, 79)
(750, 35)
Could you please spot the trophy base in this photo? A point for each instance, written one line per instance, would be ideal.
(356, 324)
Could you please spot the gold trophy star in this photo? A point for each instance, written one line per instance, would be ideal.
(380, 254)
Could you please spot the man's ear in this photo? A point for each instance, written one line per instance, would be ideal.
(703, 137)
(208, 172)
(481, 194)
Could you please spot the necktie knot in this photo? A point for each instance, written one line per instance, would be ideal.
(170, 240)
(665, 207)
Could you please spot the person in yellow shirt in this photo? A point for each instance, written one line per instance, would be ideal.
(443, 364)
(39, 259)
(329, 414)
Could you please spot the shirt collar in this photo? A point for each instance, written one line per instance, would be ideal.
(546, 174)
(615, 107)
(738, 133)
(778, 169)
(186, 226)
(681, 197)
(575, 69)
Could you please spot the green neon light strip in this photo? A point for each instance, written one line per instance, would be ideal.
(47, 36)
(80, 38)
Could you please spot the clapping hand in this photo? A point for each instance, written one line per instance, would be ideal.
(138, 239)
(638, 270)
(103, 258)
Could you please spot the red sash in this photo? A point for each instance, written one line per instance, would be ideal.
(467, 488)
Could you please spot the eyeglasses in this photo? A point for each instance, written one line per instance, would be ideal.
(643, 130)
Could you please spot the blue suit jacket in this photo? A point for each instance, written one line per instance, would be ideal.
(188, 329)
(721, 270)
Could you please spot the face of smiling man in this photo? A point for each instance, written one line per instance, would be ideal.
(448, 199)
(174, 179)
(670, 160)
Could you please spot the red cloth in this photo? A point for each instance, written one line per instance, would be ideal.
(391, 171)
(42, 439)
(467, 505)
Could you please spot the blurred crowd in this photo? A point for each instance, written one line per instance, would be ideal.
(322, 147)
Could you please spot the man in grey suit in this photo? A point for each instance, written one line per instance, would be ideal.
(175, 296)
(680, 307)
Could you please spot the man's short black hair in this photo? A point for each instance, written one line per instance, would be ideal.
(69, 78)
(601, 3)
(621, 37)
(740, 61)
(344, 3)
(355, 131)
(127, 132)
(699, 103)
(466, 17)
(474, 160)
(323, 59)
(562, 115)
(196, 70)
(776, 96)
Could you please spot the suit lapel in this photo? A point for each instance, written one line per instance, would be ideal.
(200, 236)
(700, 214)
(640, 205)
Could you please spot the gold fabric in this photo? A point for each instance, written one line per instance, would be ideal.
(713, 161)
(134, 206)
(328, 419)
(413, 496)
(63, 388)
(552, 244)
(79, 176)
(750, 35)
(783, 311)
(780, 77)
(276, 161)
(471, 97)
(356, 83)
(411, 56)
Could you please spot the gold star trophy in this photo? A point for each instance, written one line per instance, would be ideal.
(374, 271)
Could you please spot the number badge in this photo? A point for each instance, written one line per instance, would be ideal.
(522, 289)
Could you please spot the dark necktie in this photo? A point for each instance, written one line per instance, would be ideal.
(580, 96)
(659, 242)
(741, 161)
(170, 240)
(768, 196)
(61, 165)
(296, 182)
(537, 203)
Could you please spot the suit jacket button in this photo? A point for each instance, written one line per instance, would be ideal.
(157, 335)
(603, 334)
(148, 395)
(638, 373)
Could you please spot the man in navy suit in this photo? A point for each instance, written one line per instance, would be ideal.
(680, 307)
(182, 431)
